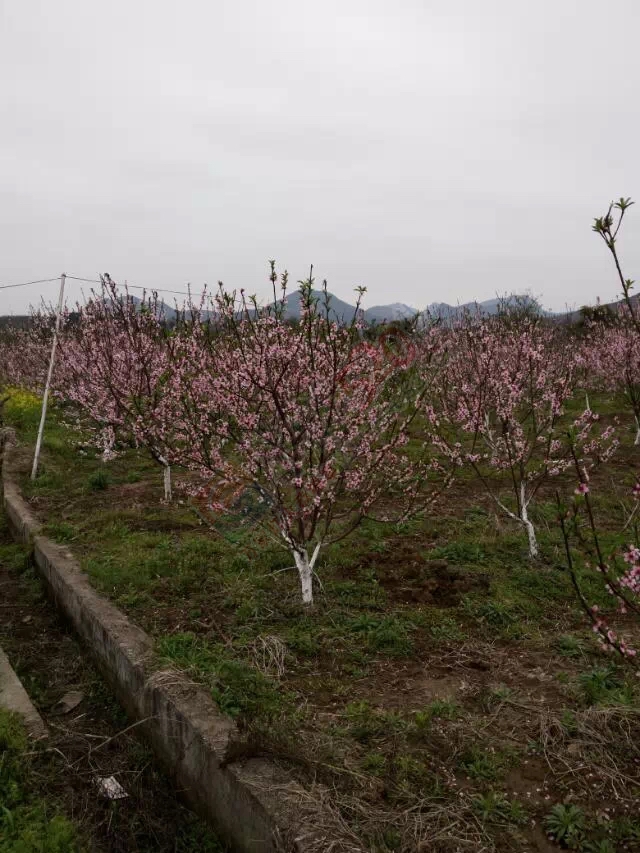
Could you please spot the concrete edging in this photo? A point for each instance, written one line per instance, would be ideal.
(254, 805)
(13, 697)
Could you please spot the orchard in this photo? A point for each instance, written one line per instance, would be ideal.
(369, 543)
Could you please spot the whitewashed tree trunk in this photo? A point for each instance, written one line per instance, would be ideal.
(167, 483)
(637, 441)
(528, 526)
(305, 566)
(531, 534)
(166, 475)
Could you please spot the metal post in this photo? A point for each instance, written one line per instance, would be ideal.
(45, 399)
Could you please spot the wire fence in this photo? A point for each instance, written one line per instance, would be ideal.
(94, 281)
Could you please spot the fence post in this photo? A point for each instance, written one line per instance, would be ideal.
(45, 398)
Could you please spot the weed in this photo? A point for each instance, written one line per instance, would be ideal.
(237, 687)
(540, 585)
(485, 765)
(565, 823)
(604, 845)
(391, 839)
(99, 481)
(458, 552)
(367, 723)
(15, 557)
(443, 709)
(447, 630)
(496, 808)
(45, 481)
(603, 685)
(500, 693)
(302, 640)
(366, 592)
(61, 531)
(24, 823)
(389, 635)
(569, 646)
(409, 769)
(493, 613)
(374, 762)
(626, 830)
(569, 722)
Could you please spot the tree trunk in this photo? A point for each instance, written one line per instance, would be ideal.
(531, 534)
(637, 441)
(167, 483)
(305, 566)
(528, 526)
(305, 572)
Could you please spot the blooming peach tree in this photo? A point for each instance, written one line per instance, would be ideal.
(506, 381)
(113, 364)
(615, 359)
(25, 352)
(618, 571)
(611, 353)
(312, 416)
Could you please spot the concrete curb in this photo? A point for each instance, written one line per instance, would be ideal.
(254, 806)
(13, 697)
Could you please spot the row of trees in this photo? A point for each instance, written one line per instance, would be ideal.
(328, 425)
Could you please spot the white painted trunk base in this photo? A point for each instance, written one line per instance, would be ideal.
(528, 526)
(305, 566)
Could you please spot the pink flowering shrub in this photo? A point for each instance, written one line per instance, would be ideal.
(310, 414)
(618, 572)
(506, 381)
(113, 364)
(24, 354)
(611, 355)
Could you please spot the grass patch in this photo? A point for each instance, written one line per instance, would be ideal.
(606, 685)
(238, 687)
(487, 764)
(27, 823)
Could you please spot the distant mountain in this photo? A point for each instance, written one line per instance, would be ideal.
(339, 310)
(488, 307)
(389, 313)
(342, 312)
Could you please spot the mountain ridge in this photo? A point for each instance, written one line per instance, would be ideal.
(343, 311)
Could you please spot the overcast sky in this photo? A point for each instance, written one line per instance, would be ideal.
(430, 151)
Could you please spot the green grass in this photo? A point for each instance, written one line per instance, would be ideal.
(99, 481)
(487, 765)
(28, 824)
(366, 723)
(608, 685)
(494, 807)
(237, 687)
(397, 607)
